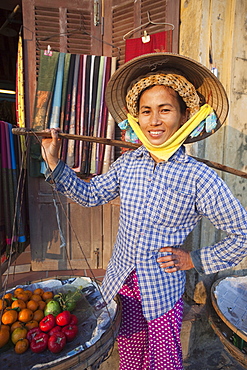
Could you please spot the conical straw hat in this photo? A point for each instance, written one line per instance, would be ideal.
(208, 87)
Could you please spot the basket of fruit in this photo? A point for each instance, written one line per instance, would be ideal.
(58, 323)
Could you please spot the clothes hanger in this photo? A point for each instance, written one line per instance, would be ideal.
(49, 52)
(147, 24)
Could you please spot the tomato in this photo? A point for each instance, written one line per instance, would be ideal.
(73, 319)
(63, 318)
(70, 331)
(54, 330)
(32, 333)
(39, 343)
(47, 323)
(57, 342)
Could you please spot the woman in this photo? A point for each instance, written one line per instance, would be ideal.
(164, 193)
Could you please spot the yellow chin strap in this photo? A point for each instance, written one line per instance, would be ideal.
(169, 147)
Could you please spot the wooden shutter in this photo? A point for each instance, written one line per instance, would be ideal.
(124, 16)
(67, 26)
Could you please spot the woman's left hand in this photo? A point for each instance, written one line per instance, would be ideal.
(177, 259)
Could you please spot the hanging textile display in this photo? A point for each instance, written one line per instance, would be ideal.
(57, 98)
(157, 42)
(110, 133)
(13, 214)
(100, 150)
(42, 107)
(70, 95)
(20, 113)
(64, 125)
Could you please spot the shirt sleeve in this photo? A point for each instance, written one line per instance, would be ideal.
(217, 203)
(99, 190)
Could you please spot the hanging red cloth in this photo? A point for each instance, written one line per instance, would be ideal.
(159, 42)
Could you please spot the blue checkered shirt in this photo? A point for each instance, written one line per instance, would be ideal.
(160, 205)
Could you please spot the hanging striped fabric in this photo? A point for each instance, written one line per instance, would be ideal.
(12, 212)
(57, 97)
(73, 99)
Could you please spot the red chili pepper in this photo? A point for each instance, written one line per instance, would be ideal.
(39, 343)
(73, 319)
(63, 318)
(56, 329)
(47, 323)
(32, 333)
(57, 342)
(70, 331)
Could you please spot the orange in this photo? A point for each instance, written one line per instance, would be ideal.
(38, 315)
(9, 317)
(4, 336)
(17, 324)
(18, 290)
(18, 303)
(21, 346)
(39, 291)
(5, 327)
(23, 296)
(3, 303)
(36, 297)
(28, 292)
(42, 305)
(32, 305)
(47, 295)
(18, 333)
(8, 296)
(25, 315)
(31, 324)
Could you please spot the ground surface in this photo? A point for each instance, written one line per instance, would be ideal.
(213, 356)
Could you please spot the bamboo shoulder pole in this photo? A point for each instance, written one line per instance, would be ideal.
(92, 139)
(123, 144)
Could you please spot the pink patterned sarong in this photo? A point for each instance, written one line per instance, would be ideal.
(148, 345)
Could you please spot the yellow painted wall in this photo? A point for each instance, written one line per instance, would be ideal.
(220, 27)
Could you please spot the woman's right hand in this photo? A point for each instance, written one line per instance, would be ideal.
(50, 148)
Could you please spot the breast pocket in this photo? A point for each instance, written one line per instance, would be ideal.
(174, 208)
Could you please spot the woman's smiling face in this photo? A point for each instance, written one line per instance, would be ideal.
(160, 114)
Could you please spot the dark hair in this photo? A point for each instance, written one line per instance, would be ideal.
(181, 102)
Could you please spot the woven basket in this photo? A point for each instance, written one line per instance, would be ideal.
(224, 329)
(89, 358)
